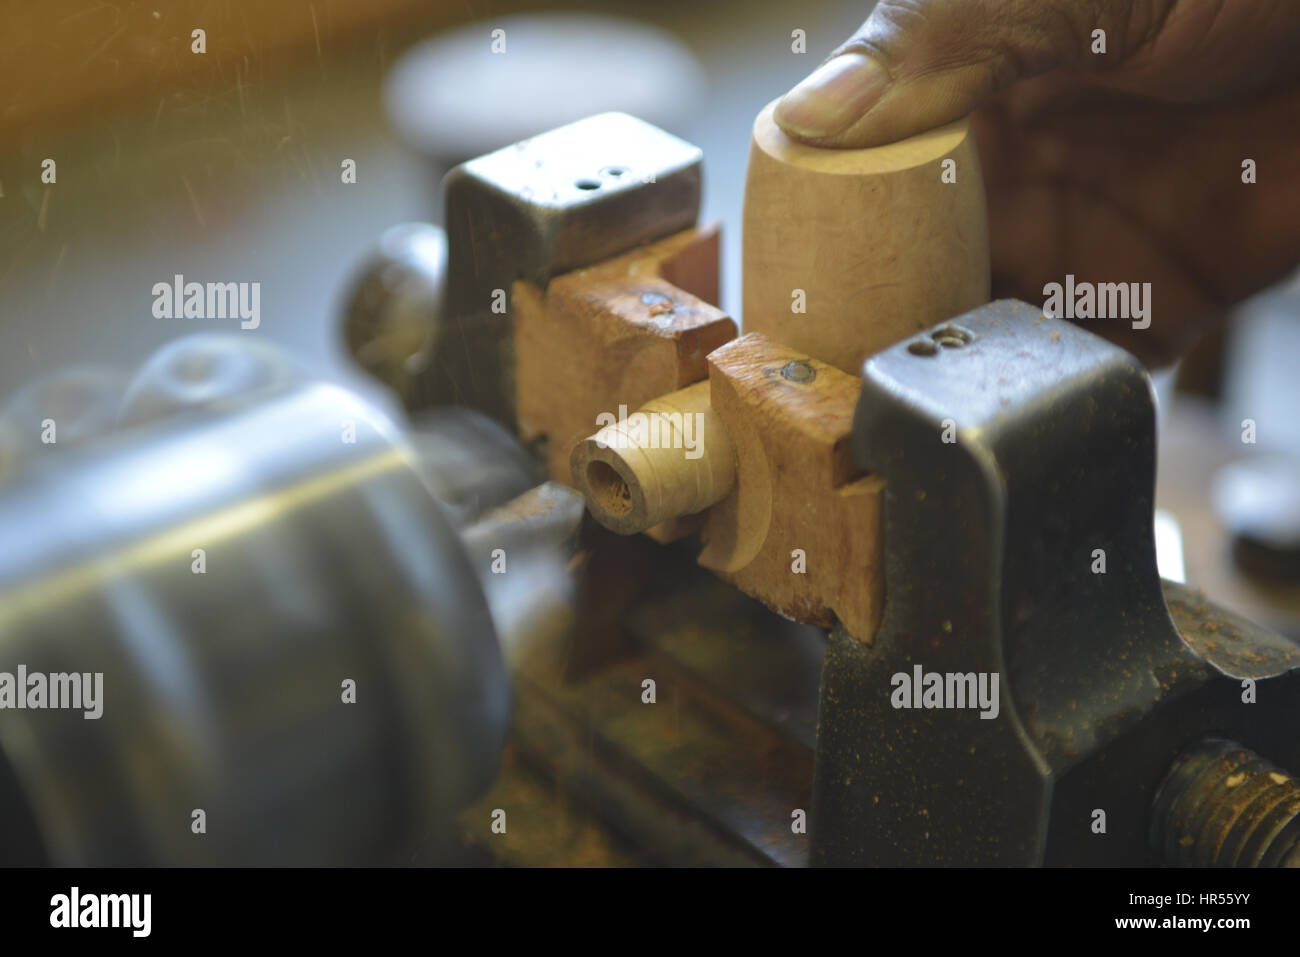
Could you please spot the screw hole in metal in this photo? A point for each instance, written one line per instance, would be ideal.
(614, 172)
(951, 337)
(922, 347)
(587, 184)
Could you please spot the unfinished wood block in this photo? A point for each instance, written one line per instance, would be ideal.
(605, 340)
(847, 251)
(801, 531)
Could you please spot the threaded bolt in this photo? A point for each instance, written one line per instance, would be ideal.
(1222, 805)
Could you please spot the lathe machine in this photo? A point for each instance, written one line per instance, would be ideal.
(873, 582)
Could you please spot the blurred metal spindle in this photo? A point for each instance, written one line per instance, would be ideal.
(325, 559)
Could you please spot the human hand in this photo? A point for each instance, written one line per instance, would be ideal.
(1122, 166)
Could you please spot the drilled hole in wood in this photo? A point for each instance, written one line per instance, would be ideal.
(608, 489)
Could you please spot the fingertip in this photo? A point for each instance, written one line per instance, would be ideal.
(832, 98)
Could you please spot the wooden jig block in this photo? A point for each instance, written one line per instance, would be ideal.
(803, 530)
(602, 341)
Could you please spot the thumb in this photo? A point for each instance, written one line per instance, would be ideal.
(918, 64)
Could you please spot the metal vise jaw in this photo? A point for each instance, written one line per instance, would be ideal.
(1019, 458)
(567, 198)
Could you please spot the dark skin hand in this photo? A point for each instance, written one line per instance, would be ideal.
(1117, 167)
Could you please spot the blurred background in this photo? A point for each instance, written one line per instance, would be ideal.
(225, 166)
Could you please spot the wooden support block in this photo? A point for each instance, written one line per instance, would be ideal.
(802, 529)
(605, 340)
(849, 251)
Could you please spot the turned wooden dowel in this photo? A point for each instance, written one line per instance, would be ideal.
(670, 458)
(874, 244)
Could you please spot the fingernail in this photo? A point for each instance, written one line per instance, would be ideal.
(833, 97)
